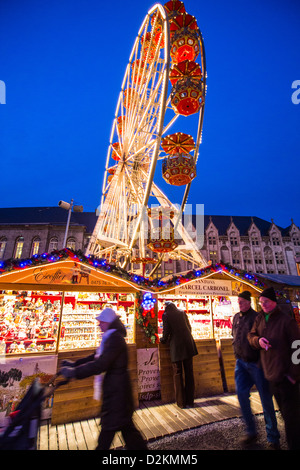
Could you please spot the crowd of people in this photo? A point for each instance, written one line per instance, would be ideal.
(264, 346)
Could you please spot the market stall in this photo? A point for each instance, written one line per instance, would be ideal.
(48, 306)
(209, 296)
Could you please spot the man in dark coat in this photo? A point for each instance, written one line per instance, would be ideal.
(276, 335)
(111, 358)
(248, 372)
(177, 329)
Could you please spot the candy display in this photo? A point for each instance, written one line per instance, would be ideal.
(199, 315)
(29, 321)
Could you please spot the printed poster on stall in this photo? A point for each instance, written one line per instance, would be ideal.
(148, 374)
(16, 376)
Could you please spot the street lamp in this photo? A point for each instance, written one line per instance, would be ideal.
(69, 206)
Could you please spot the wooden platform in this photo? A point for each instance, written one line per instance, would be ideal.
(155, 420)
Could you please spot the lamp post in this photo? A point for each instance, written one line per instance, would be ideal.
(69, 206)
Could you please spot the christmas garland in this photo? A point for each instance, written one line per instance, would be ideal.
(102, 264)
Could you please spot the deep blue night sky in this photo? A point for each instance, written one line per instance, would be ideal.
(63, 61)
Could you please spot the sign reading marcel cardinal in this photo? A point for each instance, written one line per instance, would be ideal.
(206, 287)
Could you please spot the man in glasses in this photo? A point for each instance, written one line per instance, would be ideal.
(275, 333)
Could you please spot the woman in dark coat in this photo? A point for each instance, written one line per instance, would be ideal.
(109, 365)
(177, 329)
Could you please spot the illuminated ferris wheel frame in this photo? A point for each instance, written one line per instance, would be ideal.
(134, 148)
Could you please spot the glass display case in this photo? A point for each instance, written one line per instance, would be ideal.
(30, 320)
(202, 310)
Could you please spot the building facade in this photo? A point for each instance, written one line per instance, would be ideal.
(252, 244)
(248, 243)
(27, 231)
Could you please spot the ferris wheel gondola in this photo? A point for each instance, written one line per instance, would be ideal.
(145, 111)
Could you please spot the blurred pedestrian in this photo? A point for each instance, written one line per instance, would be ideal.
(248, 372)
(177, 329)
(109, 365)
(275, 334)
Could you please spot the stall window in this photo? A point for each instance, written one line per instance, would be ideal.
(19, 247)
(3, 242)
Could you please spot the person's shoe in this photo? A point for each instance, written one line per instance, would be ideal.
(248, 439)
(273, 446)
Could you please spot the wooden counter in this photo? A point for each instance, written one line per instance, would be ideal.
(74, 401)
(207, 371)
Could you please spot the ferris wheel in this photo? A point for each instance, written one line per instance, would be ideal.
(162, 82)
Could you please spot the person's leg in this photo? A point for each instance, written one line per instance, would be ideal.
(288, 398)
(266, 399)
(133, 438)
(243, 383)
(189, 381)
(105, 439)
(178, 383)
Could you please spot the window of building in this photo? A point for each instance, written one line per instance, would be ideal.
(235, 257)
(211, 239)
(168, 272)
(268, 256)
(71, 244)
(3, 243)
(279, 258)
(296, 239)
(213, 256)
(233, 239)
(19, 247)
(35, 246)
(53, 244)
(275, 240)
(254, 240)
(247, 257)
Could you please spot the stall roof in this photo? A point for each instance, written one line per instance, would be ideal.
(288, 280)
(58, 270)
(66, 270)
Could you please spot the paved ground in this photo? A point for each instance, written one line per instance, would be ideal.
(223, 435)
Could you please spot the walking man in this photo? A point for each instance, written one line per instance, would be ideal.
(248, 373)
(275, 334)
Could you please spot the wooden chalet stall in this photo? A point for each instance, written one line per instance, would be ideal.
(209, 297)
(47, 313)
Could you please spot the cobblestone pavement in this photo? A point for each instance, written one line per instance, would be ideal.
(223, 435)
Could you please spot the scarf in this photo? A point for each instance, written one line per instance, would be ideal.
(98, 379)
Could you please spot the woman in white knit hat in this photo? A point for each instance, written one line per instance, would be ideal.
(109, 366)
